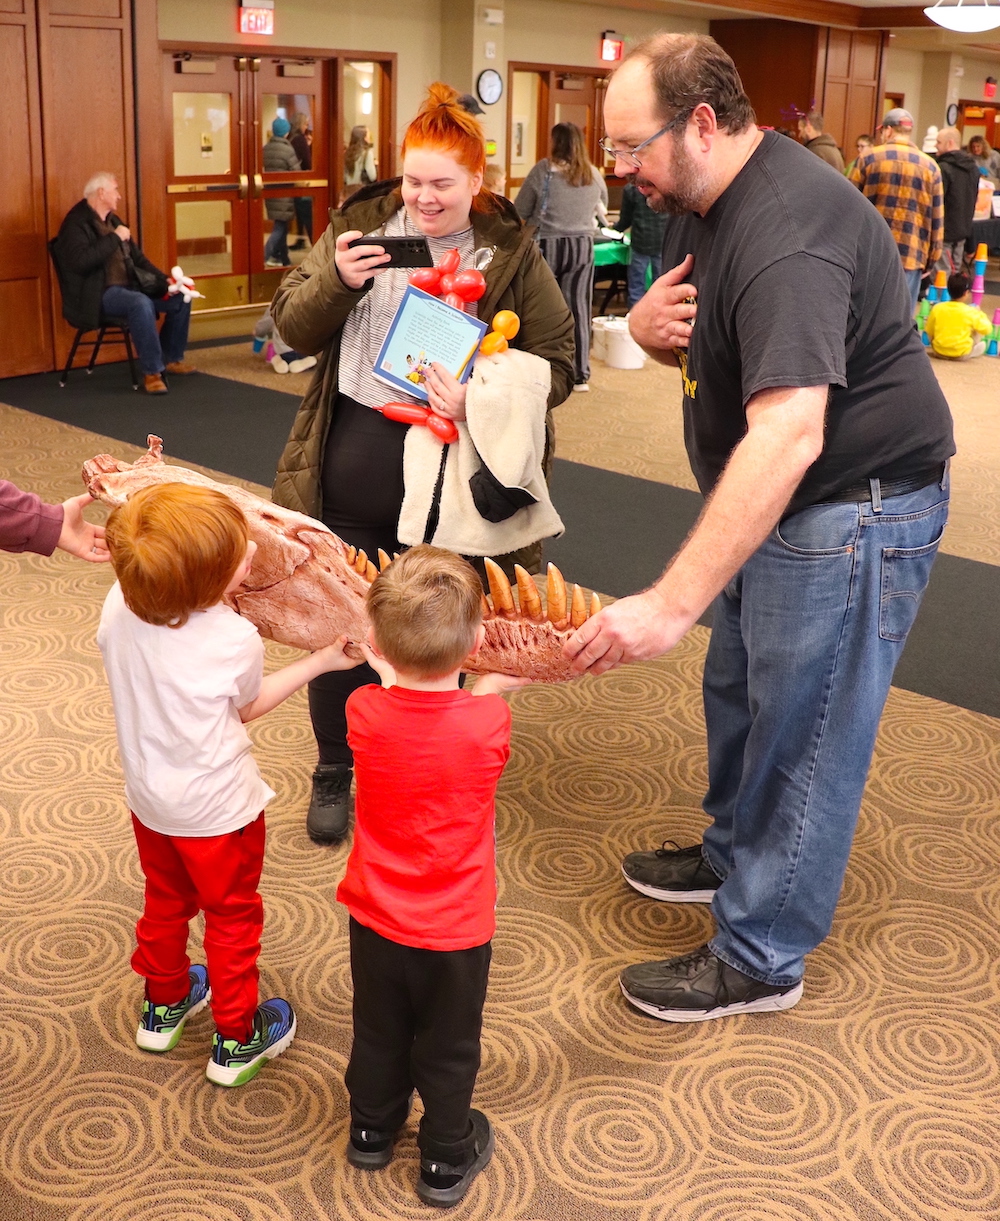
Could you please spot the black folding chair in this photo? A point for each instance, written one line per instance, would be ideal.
(107, 324)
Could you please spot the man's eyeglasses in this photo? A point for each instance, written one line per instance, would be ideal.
(628, 155)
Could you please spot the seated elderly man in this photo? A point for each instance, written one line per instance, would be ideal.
(101, 267)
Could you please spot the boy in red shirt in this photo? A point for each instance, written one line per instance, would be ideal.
(420, 882)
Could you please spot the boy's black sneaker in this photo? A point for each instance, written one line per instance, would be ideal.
(675, 875)
(369, 1149)
(330, 805)
(700, 986)
(442, 1184)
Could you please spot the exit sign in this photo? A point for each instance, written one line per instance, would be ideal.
(257, 18)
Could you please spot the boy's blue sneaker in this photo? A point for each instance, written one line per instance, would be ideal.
(235, 1063)
(161, 1026)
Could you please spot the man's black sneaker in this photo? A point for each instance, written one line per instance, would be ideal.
(368, 1149)
(442, 1184)
(677, 875)
(326, 821)
(699, 986)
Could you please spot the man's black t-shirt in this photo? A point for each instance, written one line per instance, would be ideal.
(800, 284)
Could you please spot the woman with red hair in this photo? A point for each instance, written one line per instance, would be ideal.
(344, 460)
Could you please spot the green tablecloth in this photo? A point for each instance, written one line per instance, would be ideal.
(606, 254)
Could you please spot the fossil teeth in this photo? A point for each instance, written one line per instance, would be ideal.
(361, 563)
(502, 594)
(487, 609)
(578, 611)
(352, 555)
(595, 605)
(528, 597)
(371, 572)
(556, 598)
(383, 560)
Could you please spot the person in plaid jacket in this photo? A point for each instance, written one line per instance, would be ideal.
(905, 185)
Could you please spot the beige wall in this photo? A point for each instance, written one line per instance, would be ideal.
(549, 31)
(904, 73)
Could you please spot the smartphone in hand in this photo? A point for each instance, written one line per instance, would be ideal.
(403, 251)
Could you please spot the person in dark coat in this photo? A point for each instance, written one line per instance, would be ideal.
(960, 177)
(279, 157)
(99, 266)
(301, 141)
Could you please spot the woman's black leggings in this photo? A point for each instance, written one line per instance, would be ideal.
(362, 485)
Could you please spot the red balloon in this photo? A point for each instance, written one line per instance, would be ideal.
(469, 284)
(442, 428)
(454, 300)
(428, 279)
(447, 283)
(450, 260)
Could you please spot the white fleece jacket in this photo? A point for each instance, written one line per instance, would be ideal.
(504, 430)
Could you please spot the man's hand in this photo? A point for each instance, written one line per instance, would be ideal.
(631, 629)
(663, 319)
(357, 266)
(78, 536)
(124, 233)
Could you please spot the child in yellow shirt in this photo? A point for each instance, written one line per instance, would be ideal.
(954, 327)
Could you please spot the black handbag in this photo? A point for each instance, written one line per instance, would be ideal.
(150, 281)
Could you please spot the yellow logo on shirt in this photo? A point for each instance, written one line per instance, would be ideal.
(690, 387)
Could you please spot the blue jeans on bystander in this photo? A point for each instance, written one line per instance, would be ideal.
(804, 643)
(156, 350)
(637, 267)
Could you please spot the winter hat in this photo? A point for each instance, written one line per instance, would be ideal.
(280, 127)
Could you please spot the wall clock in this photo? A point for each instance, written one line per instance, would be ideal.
(951, 116)
(489, 86)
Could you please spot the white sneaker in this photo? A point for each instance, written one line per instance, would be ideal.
(274, 263)
(582, 387)
(300, 365)
(279, 365)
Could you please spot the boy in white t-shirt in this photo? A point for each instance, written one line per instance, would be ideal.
(186, 672)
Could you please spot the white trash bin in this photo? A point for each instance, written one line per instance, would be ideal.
(599, 332)
(622, 350)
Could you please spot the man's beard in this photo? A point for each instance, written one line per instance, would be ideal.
(690, 184)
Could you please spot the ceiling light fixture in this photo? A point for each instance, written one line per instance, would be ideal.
(965, 18)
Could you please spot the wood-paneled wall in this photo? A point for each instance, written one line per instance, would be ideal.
(789, 67)
(67, 104)
(25, 310)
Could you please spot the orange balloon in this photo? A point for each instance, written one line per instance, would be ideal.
(507, 323)
(493, 343)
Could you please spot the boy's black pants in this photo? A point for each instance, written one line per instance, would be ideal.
(418, 1015)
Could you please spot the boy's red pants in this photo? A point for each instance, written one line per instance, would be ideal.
(216, 874)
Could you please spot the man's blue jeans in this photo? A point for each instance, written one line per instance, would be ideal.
(913, 279)
(804, 643)
(155, 350)
(636, 280)
(276, 246)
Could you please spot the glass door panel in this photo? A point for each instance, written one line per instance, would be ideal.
(202, 134)
(205, 237)
(361, 124)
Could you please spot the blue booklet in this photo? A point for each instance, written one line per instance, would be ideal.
(426, 331)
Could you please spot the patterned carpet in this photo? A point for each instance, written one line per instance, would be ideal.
(877, 1098)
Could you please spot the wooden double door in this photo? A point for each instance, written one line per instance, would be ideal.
(234, 224)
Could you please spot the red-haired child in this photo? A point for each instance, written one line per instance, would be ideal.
(186, 672)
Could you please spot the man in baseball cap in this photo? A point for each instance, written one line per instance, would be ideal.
(905, 185)
(898, 117)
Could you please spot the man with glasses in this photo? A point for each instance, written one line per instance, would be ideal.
(820, 438)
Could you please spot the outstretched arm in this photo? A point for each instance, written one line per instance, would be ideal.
(277, 687)
(784, 437)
